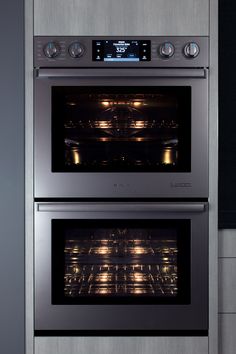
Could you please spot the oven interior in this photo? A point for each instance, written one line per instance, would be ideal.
(114, 129)
(135, 261)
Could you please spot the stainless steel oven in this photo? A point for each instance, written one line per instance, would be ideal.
(121, 117)
(121, 266)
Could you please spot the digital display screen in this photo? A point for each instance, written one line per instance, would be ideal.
(121, 50)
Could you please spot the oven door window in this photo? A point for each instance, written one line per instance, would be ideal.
(121, 261)
(121, 129)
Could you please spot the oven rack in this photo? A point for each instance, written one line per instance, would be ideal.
(121, 280)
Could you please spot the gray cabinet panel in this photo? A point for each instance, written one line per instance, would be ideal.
(227, 285)
(121, 345)
(12, 301)
(121, 17)
(227, 243)
(227, 334)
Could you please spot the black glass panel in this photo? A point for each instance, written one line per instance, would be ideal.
(135, 261)
(227, 122)
(126, 129)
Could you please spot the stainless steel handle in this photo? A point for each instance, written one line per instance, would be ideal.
(122, 207)
(150, 73)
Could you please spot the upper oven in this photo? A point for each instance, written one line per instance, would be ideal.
(121, 117)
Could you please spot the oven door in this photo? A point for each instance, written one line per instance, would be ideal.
(121, 133)
(121, 267)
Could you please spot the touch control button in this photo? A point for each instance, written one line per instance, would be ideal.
(191, 50)
(166, 50)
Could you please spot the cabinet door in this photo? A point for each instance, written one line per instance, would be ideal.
(227, 337)
(227, 285)
(227, 243)
(121, 17)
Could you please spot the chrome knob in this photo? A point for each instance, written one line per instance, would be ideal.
(166, 50)
(76, 50)
(52, 50)
(191, 50)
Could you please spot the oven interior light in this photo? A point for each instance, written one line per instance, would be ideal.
(105, 103)
(167, 156)
(139, 250)
(138, 277)
(122, 103)
(137, 103)
(102, 250)
(71, 103)
(102, 124)
(75, 156)
(139, 124)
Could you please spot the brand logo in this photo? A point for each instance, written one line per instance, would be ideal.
(121, 185)
(181, 185)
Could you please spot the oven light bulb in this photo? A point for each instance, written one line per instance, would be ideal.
(137, 104)
(105, 103)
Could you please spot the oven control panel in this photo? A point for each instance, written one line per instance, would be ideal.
(108, 52)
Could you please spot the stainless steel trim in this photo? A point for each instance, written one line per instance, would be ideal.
(85, 72)
(124, 207)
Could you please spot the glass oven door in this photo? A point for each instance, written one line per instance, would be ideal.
(121, 129)
(121, 266)
(120, 261)
(115, 135)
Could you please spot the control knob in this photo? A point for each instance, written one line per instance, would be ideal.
(167, 50)
(191, 50)
(52, 50)
(76, 50)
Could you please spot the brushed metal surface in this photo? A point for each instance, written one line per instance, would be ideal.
(121, 345)
(120, 17)
(213, 178)
(227, 285)
(125, 207)
(166, 73)
(227, 333)
(227, 243)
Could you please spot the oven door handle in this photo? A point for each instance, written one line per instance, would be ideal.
(134, 73)
(122, 207)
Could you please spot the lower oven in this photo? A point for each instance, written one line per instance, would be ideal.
(121, 267)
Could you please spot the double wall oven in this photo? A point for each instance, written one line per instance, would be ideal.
(121, 184)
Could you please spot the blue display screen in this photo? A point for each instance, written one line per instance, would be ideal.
(121, 50)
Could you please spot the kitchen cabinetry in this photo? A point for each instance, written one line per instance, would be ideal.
(227, 291)
(227, 338)
(119, 17)
(120, 345)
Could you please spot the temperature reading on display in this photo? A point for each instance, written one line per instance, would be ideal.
(121, 46)
(121, 50)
